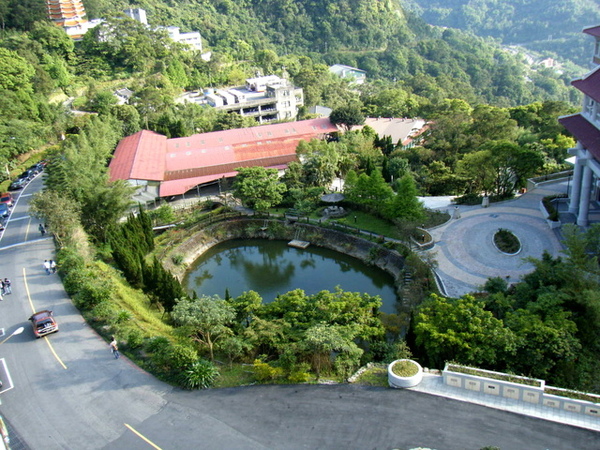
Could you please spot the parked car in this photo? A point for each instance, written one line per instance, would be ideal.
(28, 174)
(19, 183)
(4, 210)
(7, 198)
(43, 323)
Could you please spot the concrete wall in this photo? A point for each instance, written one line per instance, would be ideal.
(520, 392)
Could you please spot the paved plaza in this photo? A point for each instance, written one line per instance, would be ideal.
(464, 251)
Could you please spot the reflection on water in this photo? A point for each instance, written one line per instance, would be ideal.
(272, 268)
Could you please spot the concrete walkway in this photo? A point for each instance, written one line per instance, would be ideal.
(434, 385)
(464, 250)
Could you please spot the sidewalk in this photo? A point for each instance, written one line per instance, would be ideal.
(434, 385)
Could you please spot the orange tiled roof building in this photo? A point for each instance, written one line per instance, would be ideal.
(69, 14)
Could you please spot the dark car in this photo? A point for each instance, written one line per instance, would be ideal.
(28, 174)
(43, 323)
(4, 210)
(19, 183)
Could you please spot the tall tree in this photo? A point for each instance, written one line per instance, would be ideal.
(258, 187)
(461, 330)
(207, 319)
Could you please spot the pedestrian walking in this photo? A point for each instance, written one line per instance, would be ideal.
(42, 229)
(2, 291)
(47, 266)
(114, 348)
(7, 286)
(52, 266)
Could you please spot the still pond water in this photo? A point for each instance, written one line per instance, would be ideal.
(272, 267)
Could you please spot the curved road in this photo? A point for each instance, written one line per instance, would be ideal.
(69, 393)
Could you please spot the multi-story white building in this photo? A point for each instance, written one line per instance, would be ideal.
(585, 127)
(267, 99)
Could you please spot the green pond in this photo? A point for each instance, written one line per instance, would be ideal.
(272, 267)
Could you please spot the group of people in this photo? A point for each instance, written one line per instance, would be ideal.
(50, 266)
(5, 288)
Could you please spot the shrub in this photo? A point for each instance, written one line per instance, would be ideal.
(103, 312)
(174, 359)
(199, 375)
(134, 338)
(553, 214)
(162, 215)
(506, 241)
(68, 260)
(90, 294)
(468, 199)
(298, 377)
(157, 344)
(75, 279)
(177, 259)
(264, 372)
(123, 316)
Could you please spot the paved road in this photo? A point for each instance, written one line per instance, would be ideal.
(71, 394)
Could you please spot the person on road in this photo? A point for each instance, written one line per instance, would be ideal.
(114, 348)
(52, 266)
(47, 266)
(42, 229)
(7, 288)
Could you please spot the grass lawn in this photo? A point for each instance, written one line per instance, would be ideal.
(236, 375)
(369, 222)
(375, 376)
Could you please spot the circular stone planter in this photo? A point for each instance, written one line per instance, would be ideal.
(397, 381)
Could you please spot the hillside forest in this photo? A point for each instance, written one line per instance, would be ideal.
(491, 115)
(546, 26)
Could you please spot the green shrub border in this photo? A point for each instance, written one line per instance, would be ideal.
(495, 375)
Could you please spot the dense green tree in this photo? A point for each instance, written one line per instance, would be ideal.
(206, 319)
(59, 212)
(15, 72)
(321, 340)
(461, 330)
(258, 187)
(347, 116)
(405, 205)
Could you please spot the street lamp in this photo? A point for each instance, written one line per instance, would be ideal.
(14, 333)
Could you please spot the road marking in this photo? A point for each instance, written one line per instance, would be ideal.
(54, 353)
(24, 243)
(8, 378)
(18, 218)
(145, 439)
(33, 311)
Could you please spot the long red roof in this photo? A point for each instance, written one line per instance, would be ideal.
(585, 132)
(182, 163)
(589, 84)
(140, 156)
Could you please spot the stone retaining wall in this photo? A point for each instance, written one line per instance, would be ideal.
(243, 228)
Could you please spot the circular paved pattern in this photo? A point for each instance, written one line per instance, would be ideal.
(466, 254)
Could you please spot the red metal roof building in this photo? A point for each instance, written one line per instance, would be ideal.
(168, 167)
(585, 127)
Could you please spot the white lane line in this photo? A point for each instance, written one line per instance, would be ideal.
(18, 218)
(8, 378)
(20, 244)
